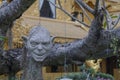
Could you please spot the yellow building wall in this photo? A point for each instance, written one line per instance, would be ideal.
(69, 5)
(117, 74)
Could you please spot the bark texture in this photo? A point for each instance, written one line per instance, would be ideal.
(8, 14)
(11, 12)
(32, 71)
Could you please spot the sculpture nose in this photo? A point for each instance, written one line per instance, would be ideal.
(39, 46)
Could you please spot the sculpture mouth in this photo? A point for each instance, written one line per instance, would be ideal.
(39, 53)
(39, 57)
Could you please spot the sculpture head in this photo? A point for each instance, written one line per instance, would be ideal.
(38, 43)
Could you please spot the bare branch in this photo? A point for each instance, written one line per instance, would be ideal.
(97, 6)
(107, 16)
(84, 5)
(116, 22)
(110, 23)
(84, 12)
(4, 3)
(59, 3)
(69, 14)
(14, 9)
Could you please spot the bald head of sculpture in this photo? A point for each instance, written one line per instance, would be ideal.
(38, 43)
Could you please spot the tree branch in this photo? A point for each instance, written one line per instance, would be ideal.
(15, 8)
(11, 12)
(107, 16)
(69, 14)
(84, 5)
(110, 23)
(95, 29)
(116, 22)
(59, 3)
(84, 12)
(97, 7)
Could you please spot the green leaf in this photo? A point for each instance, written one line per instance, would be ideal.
(114, 16)
(2, 38)
(105, 25)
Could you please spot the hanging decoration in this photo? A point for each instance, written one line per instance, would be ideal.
(65, 63)
(65, 79)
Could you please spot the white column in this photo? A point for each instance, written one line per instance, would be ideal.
(53, 8)
(40, 4)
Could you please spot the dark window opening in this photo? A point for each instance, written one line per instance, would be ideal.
(111, 64)
(47, 10)
(55, 68)
(77, 15)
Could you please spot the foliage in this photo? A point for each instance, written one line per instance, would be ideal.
(2, 40)
(88, 74)
(101, 76)
(105, 22)
(114, 45)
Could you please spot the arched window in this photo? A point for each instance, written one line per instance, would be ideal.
(47, 9)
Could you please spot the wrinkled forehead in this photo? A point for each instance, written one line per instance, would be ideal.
(39, 34)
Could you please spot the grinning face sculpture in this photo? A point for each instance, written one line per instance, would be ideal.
(38, 43)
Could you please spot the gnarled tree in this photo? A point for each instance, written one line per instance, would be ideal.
(94, 46)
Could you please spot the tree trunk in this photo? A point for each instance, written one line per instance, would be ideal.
(33, 70)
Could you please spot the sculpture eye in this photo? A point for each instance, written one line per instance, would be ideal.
(45, 43)
(33, 43)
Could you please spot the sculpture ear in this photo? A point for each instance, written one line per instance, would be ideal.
(24, 38)
(52, 38)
